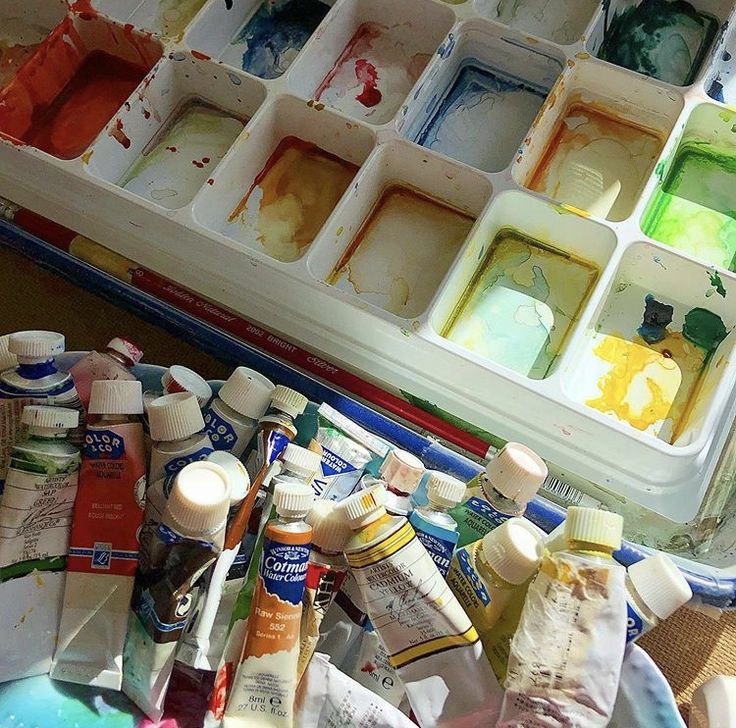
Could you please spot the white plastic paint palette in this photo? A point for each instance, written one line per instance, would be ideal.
(464, 200)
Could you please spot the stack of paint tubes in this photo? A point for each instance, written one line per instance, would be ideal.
(306, 571)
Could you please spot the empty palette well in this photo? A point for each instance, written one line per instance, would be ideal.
(402, 252)
(521, 304)
(180, 159)
(560, 21)
(596, 162)
(167, 18)
(659, 38)
(270, 40)
(374, 73)
(290, 199)
(482, 117)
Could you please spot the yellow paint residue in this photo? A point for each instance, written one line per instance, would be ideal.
(39, 580)
(648, 385)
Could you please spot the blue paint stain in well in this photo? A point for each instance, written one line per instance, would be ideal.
(272, 38)
(657, 317)
(482, 117)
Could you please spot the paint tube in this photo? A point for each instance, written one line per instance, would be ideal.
(114, 363)
(179, 379)
(177, 431)
(328, 697)
(566, 655)
(37, 503)
(36, 380)
(231, 419)
(297, 465)
(400, 473)
(432, 645)
(714, 703)
(655, 590)
(275, 431)
(486, 575)
(203, 642)
(265, 683)
(103, 552)
(325, 574)
(184, 546)
(434, 526)
(502, 491)
(346, 449)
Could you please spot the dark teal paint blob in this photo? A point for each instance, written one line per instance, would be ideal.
(665, 39)
(717, 283)
(704, 329)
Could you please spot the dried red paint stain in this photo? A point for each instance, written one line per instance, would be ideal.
(171, 149)
(368, 667)
(206, 160)
(210, 181)
(367, 74)
(146, 114)
(119, 135)
(200, 55)
(197, 163)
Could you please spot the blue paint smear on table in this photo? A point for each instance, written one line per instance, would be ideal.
(483, 117)
(276, 33)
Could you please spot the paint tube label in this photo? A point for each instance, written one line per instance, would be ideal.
(265, 683)
(226, 434)
(439, 542)
(567, 653)
(323, 583)
(475, 518)
(36, 509)
(467, 586)
(635, 625)
(373, 669)
(275, 433)
(109, 506)
(166, 463)
(338, 478)
(178, 463)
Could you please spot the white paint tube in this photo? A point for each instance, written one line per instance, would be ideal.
(328, 697)
(431, 642)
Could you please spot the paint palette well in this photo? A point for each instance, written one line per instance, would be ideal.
(382, 266)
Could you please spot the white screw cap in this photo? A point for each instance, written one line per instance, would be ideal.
(118, 397)
(237, 475)
(288, 400)
(305, 463)
(516, 472)
(556, 539)
(660, 584)
(199, 500)
(292, 499)
(49, 418)
(36, 344)
(444, 490)
(714, 704)
(363, 507)
(402, 471)
(126, 349)
(330, 530)
(174, 417)
(181, 379)
(514, 550)
(8, 360)
(589, 525)
(247, 392)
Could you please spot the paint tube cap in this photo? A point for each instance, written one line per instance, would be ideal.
(305, 463)
(402, 471)
(199, 500)
(289, 401)
(444, 490)
(660, 584)
(174, 417)
(589, 525)
(247, 392)
(516, 472)
(292, 499)
(41, 345)
(117, 397)
(237, 475)
(714, 703)
(126, 349)
(556, 539)
(330, 530)
(58, 419)
(8, 360)
(514, 550)
(182, 379)
(364, 507)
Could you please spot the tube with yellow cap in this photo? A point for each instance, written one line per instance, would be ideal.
(566, 656)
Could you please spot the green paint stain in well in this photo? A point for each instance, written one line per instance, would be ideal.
(665, 39)
(704, 329)
(521, 304)
(717, 283)
(695, 208)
